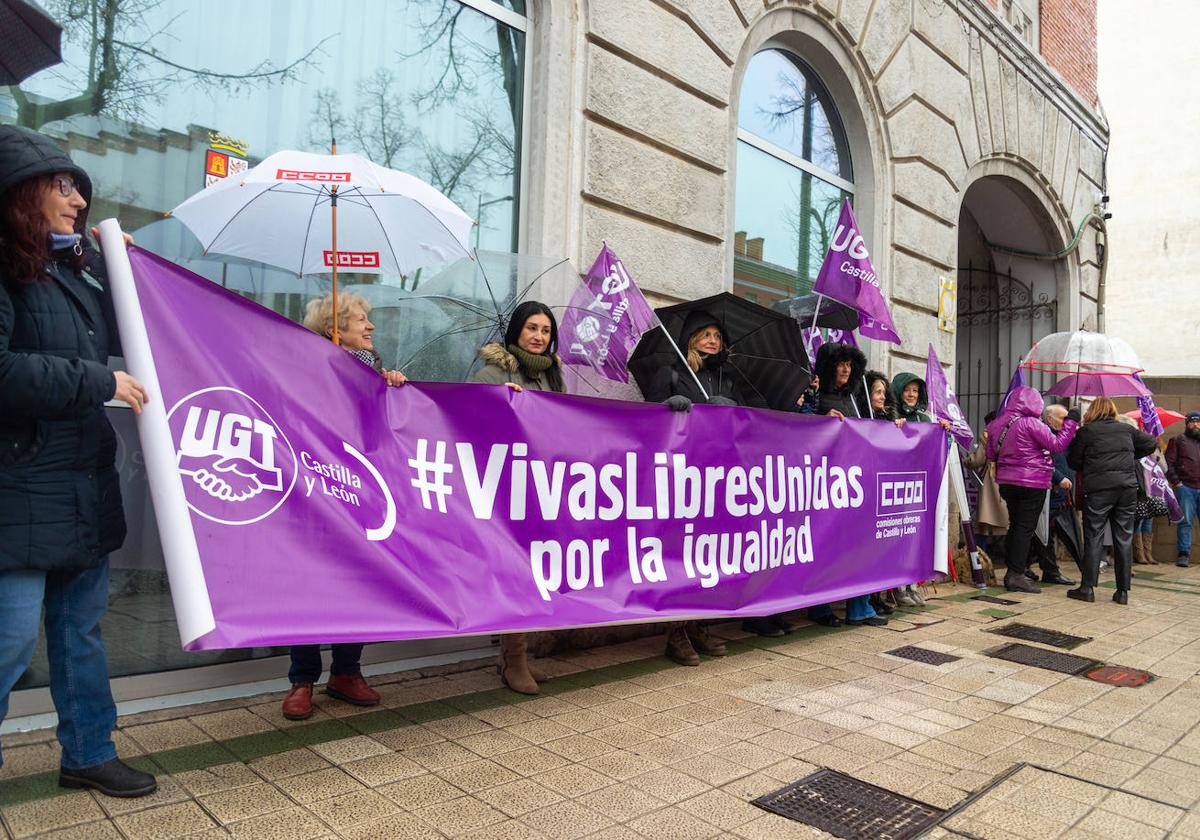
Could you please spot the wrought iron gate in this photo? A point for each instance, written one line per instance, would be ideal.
(999, 319)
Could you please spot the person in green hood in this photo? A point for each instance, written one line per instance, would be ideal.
(911, 399)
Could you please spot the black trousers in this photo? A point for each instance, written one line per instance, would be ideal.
(1102, 508)
(1024, 508)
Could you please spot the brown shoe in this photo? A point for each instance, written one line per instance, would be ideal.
(703, 641)
(298, 703)
(1139, 551)
(1148, 546)
(353, 689)
(679, 647)
(514, 664)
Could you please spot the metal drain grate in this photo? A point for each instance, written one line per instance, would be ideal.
(849, 808)
(1051, 660)
(929, 657)
(1041, 635)
(992, 599)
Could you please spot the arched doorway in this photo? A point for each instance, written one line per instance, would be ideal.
(1006, 300)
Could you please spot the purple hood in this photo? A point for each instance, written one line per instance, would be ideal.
(1024, 459)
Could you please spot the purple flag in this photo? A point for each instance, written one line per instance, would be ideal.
(1018, 381)
(812, 343)
(1157, 485)
(1151, 422)
(326, 507)
(847, 275)
(944, 404)
(842, 337)
(605, 319)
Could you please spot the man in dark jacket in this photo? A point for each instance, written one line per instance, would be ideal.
(60, 501)
(1183, 472)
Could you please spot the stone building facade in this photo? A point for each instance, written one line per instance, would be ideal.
(965, 131)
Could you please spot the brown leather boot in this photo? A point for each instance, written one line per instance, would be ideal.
(298, 703)
(679, 647)
(514, 664)
(1139, 551)
(352, 688)
(703, 641)
(1148, 546)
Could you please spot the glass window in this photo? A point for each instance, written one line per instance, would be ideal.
(793, 172)
(149, 88)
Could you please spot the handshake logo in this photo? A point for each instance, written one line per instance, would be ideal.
(240, 465)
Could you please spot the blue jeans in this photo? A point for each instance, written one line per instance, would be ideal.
(74, 601)
(306, 662)
(1189, 500)
(1144, 526)
(859, 609)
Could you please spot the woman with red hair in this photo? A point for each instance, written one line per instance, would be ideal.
(60, 501)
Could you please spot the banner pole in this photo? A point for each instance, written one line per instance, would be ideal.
(683, 359)
(964, 516)
(189, 592)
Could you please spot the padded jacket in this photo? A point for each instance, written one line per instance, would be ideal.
(1106, 452)
(1024, 458)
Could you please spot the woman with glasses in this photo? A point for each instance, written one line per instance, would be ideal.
(60, 501)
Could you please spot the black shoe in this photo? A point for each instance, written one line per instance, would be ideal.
(782, 623)
(1121, 596)
(1057, 578)
(1032, 575)
(1083, 593)
(881, 606)
(1183, 561)
(1019, 583)
(830, 620)
(873, 621)
(112, 778)
(762, 627)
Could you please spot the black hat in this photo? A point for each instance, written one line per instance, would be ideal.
(26, 154)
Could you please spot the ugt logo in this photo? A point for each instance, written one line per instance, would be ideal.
(238, 465)
(899, 492)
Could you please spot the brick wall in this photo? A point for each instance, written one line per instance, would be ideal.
(1068, 36)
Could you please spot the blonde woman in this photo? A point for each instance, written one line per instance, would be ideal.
(346, 681)
(1104, 455)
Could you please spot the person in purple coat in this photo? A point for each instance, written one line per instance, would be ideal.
(1020, 444)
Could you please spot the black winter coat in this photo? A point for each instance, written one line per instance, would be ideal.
(719, 379)
(1106, 452)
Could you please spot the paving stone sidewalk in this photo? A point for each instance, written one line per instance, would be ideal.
(624, 744)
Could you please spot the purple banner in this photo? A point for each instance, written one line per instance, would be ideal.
(1151, 422)
(1156, 484)
(847, 275)
(944, 404)
(842, 337)
(1019, 380)
(605, 319)
(327, 507)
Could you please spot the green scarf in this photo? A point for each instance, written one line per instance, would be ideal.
(533, 365)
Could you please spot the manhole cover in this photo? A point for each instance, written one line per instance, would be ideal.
(1051, 660)
(1041, 635)
(992, 599)
(929, 657)
(1116, 675)
(849, 808)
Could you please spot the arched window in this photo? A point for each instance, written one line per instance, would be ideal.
(793, 171)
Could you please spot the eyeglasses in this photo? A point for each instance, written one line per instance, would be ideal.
(65, 183)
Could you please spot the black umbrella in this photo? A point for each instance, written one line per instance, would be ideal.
(833, 315)
(1068, 532)
(765, 347)
(30, 41)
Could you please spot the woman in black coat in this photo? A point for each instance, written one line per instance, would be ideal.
(60, 502)
(1104, 455)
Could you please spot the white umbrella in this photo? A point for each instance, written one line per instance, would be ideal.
(313, 213)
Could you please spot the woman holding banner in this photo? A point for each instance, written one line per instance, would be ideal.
(60, 499)
(346, 681)
(703, 343)
(528, 359)
(882, 408)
